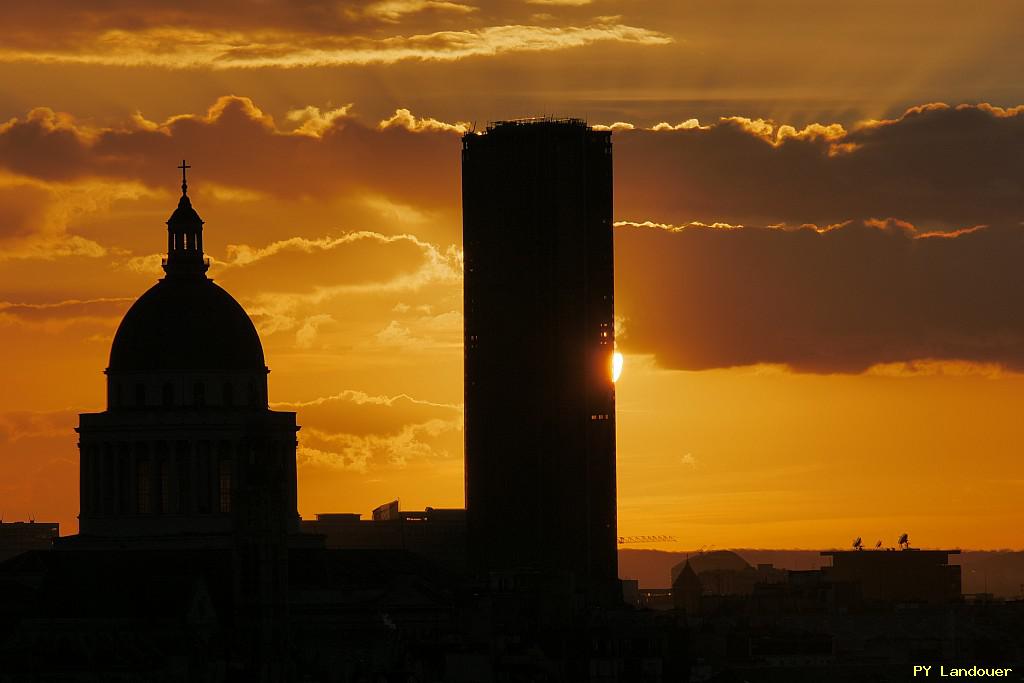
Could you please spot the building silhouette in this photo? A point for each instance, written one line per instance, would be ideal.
(18, 537)
(539, 339)
(436, 534)
(187, 445)
(187, 454)
(908, 575)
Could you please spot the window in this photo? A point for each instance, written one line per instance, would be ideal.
(166, 498)
(203, 493)
(145, 499)
(225, 486)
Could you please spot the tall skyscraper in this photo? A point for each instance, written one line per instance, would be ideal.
(539, 341)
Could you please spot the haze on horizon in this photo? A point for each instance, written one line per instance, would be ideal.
(819, 237)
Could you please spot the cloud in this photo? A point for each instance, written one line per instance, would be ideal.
(357, 431)
(192, 48)
(58, 315)
(845, 299)
(673, 228)
(35, 215)
(236, 145)
(442, 331)
(617, 126)
(403, 118)
(306, 336)
(936, 166)
(394, 10)
(314, 122)
(290, 280)
(365, 453)
(24, 424)
(688, 124)
(563, 3)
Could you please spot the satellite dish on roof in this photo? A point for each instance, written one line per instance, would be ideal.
(904, 541)
(878, 545)
(857, 543)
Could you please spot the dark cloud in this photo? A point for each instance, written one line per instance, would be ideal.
(40, 23)
(236, 144)
(934, 166)
(841, 300)
(22, 210)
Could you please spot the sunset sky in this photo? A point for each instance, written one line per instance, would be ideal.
(819, 241)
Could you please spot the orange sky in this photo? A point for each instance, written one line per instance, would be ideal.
(785, 386)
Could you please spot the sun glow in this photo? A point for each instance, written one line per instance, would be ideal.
(617, 361)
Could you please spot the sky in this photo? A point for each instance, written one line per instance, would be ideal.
(818, 241)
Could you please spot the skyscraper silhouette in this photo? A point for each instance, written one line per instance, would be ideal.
(539, 339)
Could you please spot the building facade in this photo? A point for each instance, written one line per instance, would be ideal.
(19, 537)
(187, 455)
(539, 342)
(438, 534)
(187, 445)
(897, 576)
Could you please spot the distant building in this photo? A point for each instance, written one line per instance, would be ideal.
(908, 575)
(723, 572)
(539, 341)
(686, 591)
(19, 537)
(437, 534)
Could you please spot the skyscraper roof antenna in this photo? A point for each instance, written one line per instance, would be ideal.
(184, 183)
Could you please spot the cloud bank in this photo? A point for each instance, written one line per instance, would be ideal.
(842, 299)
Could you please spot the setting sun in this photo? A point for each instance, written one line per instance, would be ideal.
(616, 366)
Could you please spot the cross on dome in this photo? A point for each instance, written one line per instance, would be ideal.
(184, 183)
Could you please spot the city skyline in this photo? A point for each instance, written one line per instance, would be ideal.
(783, 386)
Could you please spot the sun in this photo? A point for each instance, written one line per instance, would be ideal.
(617, 361)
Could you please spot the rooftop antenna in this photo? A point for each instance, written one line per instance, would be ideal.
(858, 544)
(878, 545)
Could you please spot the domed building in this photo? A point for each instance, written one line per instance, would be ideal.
(187, 445)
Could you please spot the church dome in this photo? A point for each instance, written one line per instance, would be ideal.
(186, 324)
(719, 560)
(185, 321)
